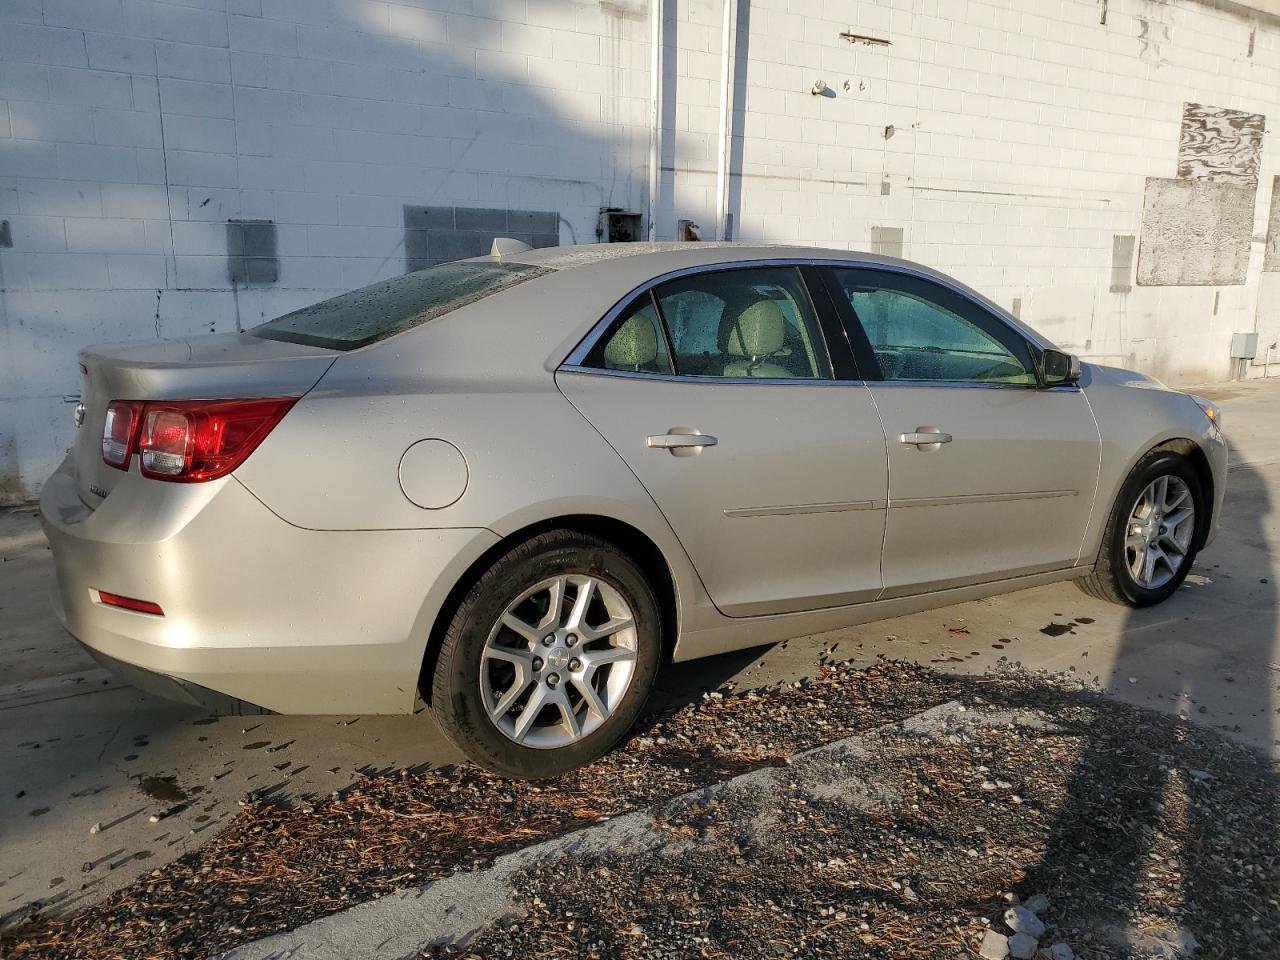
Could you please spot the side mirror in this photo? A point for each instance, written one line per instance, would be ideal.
(1059, 369)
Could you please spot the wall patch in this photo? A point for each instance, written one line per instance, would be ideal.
(1195, 232)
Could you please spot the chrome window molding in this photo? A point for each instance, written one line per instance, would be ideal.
(811, 381)
(691, 378)
(578, 355)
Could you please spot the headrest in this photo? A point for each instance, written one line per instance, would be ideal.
(758, 331)
(634, 345)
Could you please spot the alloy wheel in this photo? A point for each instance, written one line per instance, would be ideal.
(1159, 532)
(558, 661)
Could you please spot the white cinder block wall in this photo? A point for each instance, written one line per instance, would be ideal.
(1009, 141)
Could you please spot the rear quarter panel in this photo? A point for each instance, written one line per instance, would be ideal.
(483, 380)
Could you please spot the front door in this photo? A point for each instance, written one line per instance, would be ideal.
(717, 391)
(990, 475)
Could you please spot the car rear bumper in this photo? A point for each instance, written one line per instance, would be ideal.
(255, 609)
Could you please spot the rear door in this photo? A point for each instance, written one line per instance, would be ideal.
(718, 390)
(990, 476)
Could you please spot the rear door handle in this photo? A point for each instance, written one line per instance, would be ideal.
(926, 438)
(681, 441)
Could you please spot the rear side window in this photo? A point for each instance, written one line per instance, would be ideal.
(636, 344)
(388, 307)
(755, 323)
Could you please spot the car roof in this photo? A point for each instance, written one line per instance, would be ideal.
(692, 253)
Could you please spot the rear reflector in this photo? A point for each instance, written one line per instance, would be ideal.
(189, 440)
(129, 603)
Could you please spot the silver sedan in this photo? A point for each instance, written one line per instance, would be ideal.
(516, 485)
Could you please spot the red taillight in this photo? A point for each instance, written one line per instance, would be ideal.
(129, 603)
(195, 440)
(119, 430)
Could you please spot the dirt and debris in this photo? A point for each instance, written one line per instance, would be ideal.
(902, 851)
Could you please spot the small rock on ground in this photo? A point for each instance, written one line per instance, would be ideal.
(1023, 946)
(1021, 920)
(995, 946)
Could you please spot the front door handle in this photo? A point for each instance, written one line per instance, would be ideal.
(926, 438)
(681, 441)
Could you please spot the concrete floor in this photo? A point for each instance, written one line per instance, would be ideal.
(78, 748)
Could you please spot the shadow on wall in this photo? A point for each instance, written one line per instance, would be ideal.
(343, 159)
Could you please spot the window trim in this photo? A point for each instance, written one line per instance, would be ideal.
(988, 322)
(573, 362)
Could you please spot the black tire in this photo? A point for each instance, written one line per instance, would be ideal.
(1112, 580)
(455, 685)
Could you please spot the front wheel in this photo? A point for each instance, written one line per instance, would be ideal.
(1152, 535)
(548, 660)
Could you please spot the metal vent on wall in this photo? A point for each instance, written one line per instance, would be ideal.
(619, 226)
(251, 252)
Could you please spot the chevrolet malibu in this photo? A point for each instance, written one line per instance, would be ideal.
(516, 485)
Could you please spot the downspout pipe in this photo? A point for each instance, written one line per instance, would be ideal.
(655, 110)
(722, 164)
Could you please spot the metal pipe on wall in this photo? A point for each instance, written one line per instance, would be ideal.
(722, 165)
(655, 110)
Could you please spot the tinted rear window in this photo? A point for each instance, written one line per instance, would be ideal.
(388, 307)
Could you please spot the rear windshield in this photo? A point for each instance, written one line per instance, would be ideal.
(388, 307)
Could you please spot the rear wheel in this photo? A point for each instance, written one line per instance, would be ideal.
(549, 657)
(1152, 535)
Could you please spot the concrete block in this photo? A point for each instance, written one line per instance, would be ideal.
(64, 271)
(248, 69)
(137, 272)
(51, 121)
(189, 25)
(135, 201)
(32, 43)
(146, 94)
(95, 162)
(37, 234)
(301, 208)
(123, 54)
(21, 11)
(59, 198)
(199, 238)
(26, 158)
(258, 35)
(418, 24)
(24, 81)
(365, 81)
(128, 18)
(190, 61)
(203, 134)
(196, 99)
(101, 235)
(294, 73)
(270, 173)
(126, 128)
(202, 169)
(202, 272)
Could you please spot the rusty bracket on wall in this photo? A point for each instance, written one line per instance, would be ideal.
(864, 38)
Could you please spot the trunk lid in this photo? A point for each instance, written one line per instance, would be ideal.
(220, 367)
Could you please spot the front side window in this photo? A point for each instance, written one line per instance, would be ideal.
(388, 307)
(921, 331)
